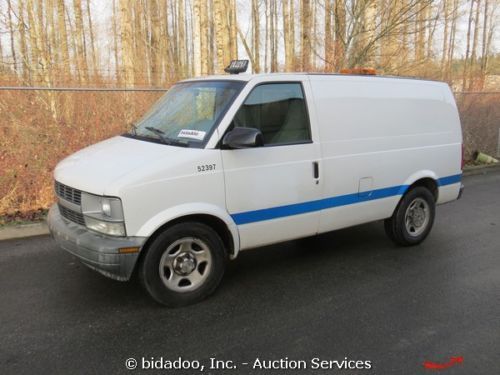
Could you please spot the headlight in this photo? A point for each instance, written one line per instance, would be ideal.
(106, 207)
(110, 228)
(103, 214)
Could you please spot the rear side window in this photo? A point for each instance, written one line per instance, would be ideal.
(279, 111)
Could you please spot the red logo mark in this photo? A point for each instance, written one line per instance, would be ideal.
(441, 366)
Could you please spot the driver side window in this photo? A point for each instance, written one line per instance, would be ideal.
(279, 111)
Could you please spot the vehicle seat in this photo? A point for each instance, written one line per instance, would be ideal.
(294, 128)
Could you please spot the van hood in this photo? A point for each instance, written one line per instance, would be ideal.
(95, 168)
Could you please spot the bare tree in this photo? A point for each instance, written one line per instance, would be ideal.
(340, 34)
(204, 37)
(256, 36)
(11, 33)
(93, 51)
(273, 39)
(484, 45)
(288, 34)
(446, 26)
(127, 43)
(233, 27)
(467, 50)
(329, 48)
(196, 37)
(81, 58)
(305, 35)
(63, 38)
(221, 35)
(473, 56)
(25, 58)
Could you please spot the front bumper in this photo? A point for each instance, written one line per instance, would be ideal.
(97, 251)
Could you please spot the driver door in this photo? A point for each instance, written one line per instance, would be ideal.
(271, 190)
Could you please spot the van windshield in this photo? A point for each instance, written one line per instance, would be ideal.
(188, 113)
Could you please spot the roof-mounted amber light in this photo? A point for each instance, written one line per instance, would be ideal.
(359, 71)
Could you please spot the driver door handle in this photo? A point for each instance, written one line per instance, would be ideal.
(315, 170)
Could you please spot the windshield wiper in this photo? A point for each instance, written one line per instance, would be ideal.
(169, 141)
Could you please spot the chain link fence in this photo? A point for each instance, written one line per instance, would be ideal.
(480, 118)
(40, 126)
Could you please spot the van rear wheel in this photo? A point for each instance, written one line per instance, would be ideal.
(183, 265)
(413, 218)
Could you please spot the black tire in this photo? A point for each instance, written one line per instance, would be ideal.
(395, 226)
(149, 268)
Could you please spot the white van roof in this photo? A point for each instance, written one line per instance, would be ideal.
(247, 77)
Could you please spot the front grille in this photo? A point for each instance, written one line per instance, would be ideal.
(75, 217)
(68, 193)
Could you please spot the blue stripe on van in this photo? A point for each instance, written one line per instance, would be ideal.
(449, 180)
(321, 204)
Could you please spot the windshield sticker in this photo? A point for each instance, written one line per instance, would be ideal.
(193, 134)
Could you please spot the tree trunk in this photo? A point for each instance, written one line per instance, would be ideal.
(266, 37)
(370, 30)
(11, 35)
(23, 43)
(127, 43)
(196, 37)
(305, 35)
(474, 47)
(314, 34)
(211, 40)
(420, 33)
(431, 30)
(115, 43)
(204, 31)
(63, 40)
(181, 29)
(233, 27)
(221, 35)
(51, 43)
(287, 37)
(484, 44)
(165, 53)
(95, 63)
(273, 36)
(451, 44)
(340, 31)
(467, 49)
(256, 36)
(38, 46)
(292, 35)
(446, 20)
(33, 43)
(80, 43)
(155, 40)
(328, 37)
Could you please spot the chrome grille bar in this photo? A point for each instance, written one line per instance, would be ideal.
(68, 193)
(75, 217)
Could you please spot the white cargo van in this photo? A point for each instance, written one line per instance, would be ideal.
(229, 163)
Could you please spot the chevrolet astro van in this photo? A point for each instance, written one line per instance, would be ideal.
(228, 163)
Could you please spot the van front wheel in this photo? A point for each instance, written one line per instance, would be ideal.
(184, 264)
(413, 218)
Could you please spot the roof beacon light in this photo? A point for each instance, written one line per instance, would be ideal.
(237, 66)
(359, 71)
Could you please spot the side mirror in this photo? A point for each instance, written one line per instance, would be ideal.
(243, 138)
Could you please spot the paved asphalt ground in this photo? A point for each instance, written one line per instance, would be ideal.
(350, 293)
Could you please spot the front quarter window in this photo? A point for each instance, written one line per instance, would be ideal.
(188, 113)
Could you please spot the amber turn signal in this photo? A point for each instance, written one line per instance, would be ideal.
(128, 250)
